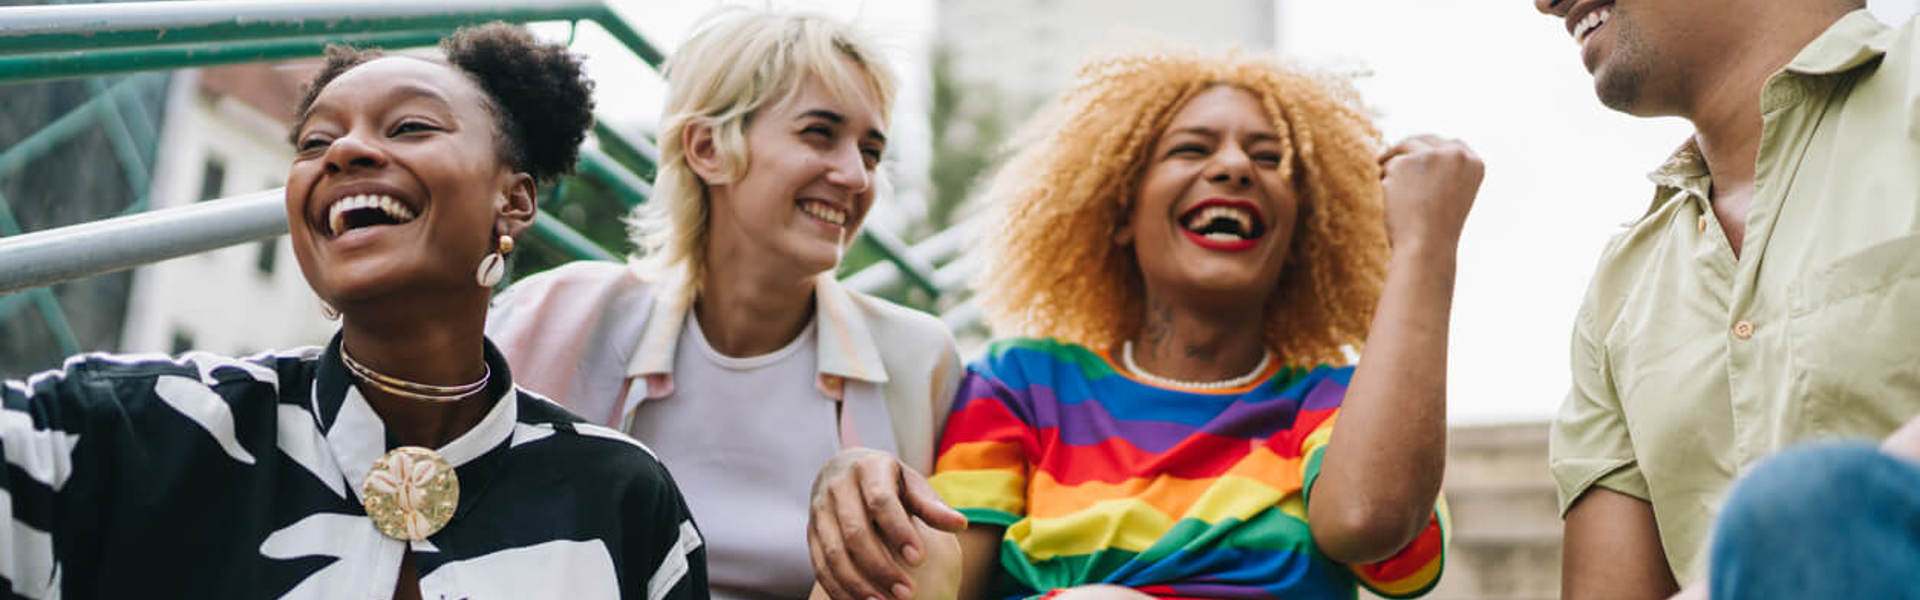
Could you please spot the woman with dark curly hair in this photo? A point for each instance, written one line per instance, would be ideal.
(1190, 248)
(398, 461)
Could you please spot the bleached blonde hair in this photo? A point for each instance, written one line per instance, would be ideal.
(1052, 269)
(739, 62)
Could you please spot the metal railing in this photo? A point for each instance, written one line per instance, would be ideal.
(39, 43)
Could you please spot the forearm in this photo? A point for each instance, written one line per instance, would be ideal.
(1612, 550)
(979, 557)
(1383, 466)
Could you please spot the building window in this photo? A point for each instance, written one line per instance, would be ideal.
(182, 341)
(264, 257)
(212, 179)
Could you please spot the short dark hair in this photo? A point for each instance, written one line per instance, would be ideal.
(541, 99)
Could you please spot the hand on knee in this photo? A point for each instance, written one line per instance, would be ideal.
(938, 576)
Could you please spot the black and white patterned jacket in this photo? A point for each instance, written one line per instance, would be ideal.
(210, 477)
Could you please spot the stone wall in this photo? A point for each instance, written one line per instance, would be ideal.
(1506, 536)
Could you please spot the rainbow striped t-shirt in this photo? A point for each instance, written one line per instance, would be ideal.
(1100, 478)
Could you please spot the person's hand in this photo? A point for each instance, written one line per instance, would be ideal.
(1697, 591)
(1430, 185)
(1905, 442)
(860, 533)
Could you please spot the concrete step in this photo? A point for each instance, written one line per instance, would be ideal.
(1506, 536)
(1487, 509)
(1498, 454)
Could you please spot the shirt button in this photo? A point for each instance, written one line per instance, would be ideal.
(1702, 225)
(1743, 330)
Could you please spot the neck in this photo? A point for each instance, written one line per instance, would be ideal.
(1725, 105)
(753, 306)
(1190, 342)
(435, 343)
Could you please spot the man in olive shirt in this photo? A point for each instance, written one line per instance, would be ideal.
(1771, 293)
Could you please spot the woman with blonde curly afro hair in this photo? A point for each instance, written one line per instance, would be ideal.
(1192, 248)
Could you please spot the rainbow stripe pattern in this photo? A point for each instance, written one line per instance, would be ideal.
(1100, 478)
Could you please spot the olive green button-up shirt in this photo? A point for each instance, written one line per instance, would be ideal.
(1689, 364)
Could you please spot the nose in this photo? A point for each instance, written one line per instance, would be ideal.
(1231, 166)
(848, 169)
(1556, 8)
(349, 152)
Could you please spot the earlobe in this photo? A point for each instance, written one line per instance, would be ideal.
(1123, 234)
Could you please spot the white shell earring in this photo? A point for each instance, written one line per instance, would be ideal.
(494, 265)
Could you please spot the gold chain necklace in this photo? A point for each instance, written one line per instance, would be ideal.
(415, 390)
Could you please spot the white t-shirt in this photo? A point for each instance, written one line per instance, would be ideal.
(744, 438)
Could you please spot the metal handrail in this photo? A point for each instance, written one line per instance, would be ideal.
(22, 68)
(57, 42)
(81, 27)
(75, 251)
(68, 41)
(76, 121)
(937, 248)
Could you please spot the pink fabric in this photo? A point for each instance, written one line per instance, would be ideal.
(576, 334)
(566, 330)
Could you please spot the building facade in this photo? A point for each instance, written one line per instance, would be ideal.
(226, 135)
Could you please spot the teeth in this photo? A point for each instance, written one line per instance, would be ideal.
(1589, 23)
(1208, 214)
(824, 212)
(337, 214)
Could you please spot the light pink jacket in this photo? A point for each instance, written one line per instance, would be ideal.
(599, 338)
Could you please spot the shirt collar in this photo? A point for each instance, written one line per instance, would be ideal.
(1684, 170)
(1850, 42)
(846, 346)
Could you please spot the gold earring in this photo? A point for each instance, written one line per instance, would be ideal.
(328, 311)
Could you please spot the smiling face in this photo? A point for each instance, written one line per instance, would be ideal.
(398, 185)
(1213, 213)
(1640, 52)
(808, 183)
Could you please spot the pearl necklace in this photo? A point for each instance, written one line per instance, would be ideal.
(1126, 357)
(409, 389)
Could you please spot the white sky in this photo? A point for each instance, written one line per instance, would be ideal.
(1563, 173)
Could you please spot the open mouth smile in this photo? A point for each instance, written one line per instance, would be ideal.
(362, 210)
(1584, 29)
(1225, 225)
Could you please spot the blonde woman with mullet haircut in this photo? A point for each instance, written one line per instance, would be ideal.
(727, 346)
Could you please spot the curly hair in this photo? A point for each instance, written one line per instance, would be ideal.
(1052, 270)
(541, 99)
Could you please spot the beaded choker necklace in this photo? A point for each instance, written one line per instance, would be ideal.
(1126, 357)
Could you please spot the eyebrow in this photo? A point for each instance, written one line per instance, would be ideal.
(401, 93)
(835, 118)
